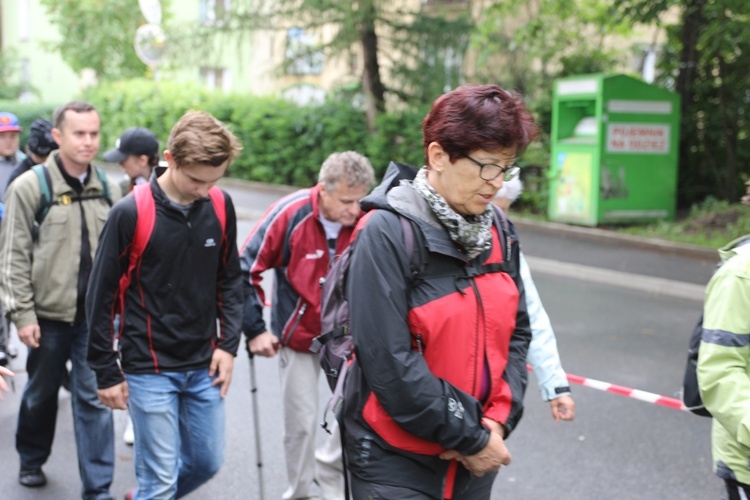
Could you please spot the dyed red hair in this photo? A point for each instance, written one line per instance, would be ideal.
(474, 117)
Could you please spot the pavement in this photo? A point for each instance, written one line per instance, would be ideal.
(649, 265)
(592, 282)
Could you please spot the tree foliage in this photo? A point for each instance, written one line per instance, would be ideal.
(283, 143)
(420, 51)
(706, 61)
(534, 42)
(97, 34)
(10, 88)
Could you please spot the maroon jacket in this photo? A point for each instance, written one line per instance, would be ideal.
(289, 239)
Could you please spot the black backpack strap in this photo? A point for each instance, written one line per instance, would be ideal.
(503, 230)
(45, 189)
(414, 246)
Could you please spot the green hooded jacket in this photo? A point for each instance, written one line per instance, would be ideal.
(724, 361)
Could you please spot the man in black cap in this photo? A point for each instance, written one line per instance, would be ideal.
(39, 146)
(137, 152)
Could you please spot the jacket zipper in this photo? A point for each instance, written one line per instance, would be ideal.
(420, 344)
(300, 313)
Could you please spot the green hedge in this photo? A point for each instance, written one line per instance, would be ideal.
(283, 143)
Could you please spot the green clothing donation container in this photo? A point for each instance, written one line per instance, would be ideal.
(614, 150)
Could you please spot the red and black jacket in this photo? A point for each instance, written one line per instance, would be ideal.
(188, 278)
(289, 239)
(424, 346)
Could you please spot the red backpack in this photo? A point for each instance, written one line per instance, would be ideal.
(144, 226)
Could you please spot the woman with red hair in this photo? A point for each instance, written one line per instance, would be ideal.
(441, 338)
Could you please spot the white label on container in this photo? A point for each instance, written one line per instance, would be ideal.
(638, 138)
(577, 87)
(651, 107)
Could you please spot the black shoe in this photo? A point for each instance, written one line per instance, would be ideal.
(32, 478)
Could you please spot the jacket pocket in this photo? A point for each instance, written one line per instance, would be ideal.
(54, 227)
(387, 428)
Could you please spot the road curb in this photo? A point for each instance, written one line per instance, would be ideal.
(638, 282)
(654, 244)
(662, 246)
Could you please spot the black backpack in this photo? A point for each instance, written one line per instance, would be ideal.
(691, 396)
(335, 345)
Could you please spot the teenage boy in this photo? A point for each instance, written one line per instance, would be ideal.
(137, 152)
(175, 364)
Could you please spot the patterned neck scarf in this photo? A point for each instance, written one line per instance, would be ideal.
(472, 233)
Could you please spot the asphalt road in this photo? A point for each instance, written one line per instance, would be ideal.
(616, 448)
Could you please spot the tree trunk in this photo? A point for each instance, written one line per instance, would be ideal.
(730, 126)
(371, 83)
(693, 21)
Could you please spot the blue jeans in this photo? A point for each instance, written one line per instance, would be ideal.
(92, 421)
(179, 420)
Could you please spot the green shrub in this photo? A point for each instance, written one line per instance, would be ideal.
(283, 143)
(27, 113)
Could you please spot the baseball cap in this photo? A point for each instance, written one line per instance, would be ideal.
(40, 140)
(9, 122)
(134, 141)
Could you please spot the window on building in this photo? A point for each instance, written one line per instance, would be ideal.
(303, 53)
(441, 3)
(24, 23)
(213, 11)
(25, 81)
(216, 78)
(644, 61)
(304, 95)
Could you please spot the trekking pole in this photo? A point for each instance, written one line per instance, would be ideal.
(254, 394)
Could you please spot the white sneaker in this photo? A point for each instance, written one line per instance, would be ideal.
(128, 436)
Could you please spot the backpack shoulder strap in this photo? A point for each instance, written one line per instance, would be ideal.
(220, 207)
(105, 185)
(503, 230)
(45, 188)
(144, 226)
(145, 220)
(413, 246)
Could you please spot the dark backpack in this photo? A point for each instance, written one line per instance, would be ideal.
(334, 345)
(691, 396)
(144, 226)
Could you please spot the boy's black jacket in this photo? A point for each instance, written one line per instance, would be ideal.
(189, 277)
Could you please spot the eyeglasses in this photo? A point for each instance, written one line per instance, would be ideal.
(490, 171)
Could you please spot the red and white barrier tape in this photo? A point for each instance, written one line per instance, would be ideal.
(648, 397)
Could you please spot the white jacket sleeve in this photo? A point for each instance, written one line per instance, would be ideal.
(542, 356)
